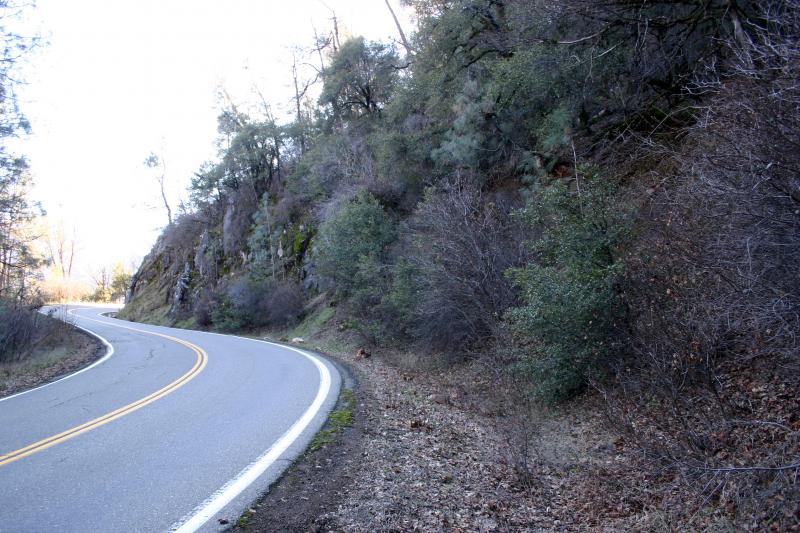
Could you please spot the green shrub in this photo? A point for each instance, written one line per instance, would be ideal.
(225, 316)
(351, 245)
(252, 303)
(401, 298)
(566, 327)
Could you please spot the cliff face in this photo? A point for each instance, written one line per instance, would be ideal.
(198, 261)
(162, 286)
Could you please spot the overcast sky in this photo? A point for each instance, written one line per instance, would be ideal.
(117, 79)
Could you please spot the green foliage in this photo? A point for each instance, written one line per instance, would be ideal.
(205, 184)
(493, 92)
(250, 154)
(120, 281)
(567, 326)
(299, 243)
(18, 259)
(351, 246)
(254, 154)
(403, 294)
(360, 79)
(337, 421)
(538, 94)
(100, 294)
(226, 317)
(244, 520)
(463, 144)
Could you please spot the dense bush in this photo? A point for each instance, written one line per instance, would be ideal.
(283, 304)
(351, 246)
(19, 326)
(664, 273)
(250, 303)
(202, 308)
(713, 287)
(360, 79)
(569, 324)
(463, 241)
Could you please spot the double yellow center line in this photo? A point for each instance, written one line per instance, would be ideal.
(200, 363)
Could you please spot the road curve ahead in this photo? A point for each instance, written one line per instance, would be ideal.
(173, 431)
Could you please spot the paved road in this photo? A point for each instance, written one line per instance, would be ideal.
(173, 431)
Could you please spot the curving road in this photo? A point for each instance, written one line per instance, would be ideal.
(172, 431)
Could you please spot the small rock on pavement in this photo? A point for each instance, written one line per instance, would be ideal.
(362, 354)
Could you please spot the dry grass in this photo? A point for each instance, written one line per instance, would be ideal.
(59, 349)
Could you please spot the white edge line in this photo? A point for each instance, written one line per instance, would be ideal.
(226, 494)
(109, 353)
(230, 490)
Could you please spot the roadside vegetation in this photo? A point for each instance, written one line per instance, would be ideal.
(339, 419)
(33, 348)
(48, 349)
(594, 203)
(20, 329)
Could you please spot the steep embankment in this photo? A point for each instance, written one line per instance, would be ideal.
(158, 286)
(578, 197)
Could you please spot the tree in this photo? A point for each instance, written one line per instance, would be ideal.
(156, 163)
(403, 38)
(360, 79)
(17, 256)
(17, 259)
(120, 281)
(254, 155)
(61, 246)
(102, 291)
(61, 250)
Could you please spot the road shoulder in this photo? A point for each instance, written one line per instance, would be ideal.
(63, 350)
(314, 484)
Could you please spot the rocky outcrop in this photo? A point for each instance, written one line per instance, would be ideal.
(181, 292)
(237, 220)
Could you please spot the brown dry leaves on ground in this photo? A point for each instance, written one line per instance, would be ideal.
(436, 455)
(431, 461)
(442, 451)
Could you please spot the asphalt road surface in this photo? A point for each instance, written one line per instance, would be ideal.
(173, 431)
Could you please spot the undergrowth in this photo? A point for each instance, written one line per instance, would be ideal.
(338, 420)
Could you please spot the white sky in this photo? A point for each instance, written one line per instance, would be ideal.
(118, 79)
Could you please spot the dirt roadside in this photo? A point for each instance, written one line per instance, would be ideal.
(317, 483)
(420, 456)
(63, 349)
(426, 454)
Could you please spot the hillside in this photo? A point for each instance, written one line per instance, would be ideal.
(598, 201)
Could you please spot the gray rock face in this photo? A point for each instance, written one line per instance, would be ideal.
(228, 222)
(200, 260)
(236, 221)
(310, 280)
(132, 287)
(180, 295)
